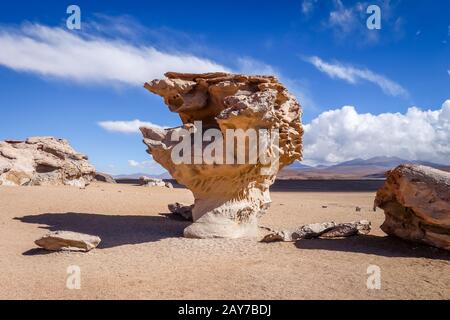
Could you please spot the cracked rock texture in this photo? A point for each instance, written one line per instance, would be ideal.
(43, 161)
(229, 198)
(324, 230)
(416, 203)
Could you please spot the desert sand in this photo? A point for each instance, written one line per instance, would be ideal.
(144, 256)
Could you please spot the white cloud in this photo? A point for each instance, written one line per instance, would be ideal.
(146, 164)
(84, 57)
(342, 18)
(94, 55)
(125, 126)
(354, 75)
(133, 163)
(346, 21)
(308, 6)
(344, 134)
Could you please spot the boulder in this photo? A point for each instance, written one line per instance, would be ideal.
(230, 194)
(416, 204)
(43, 161)
(103, 177)
(67, 240)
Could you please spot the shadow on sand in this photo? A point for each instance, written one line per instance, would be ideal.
(114, 230)
(377, 245)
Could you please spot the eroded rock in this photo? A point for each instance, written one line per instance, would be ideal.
(103, 177)
(325, 230)
(229, 198)
(67, 240)
(416, 204)
(181, 210)
(154, 182)
(43, 161)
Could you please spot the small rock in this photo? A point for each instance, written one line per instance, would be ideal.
(358, 209)
(363, 226)
(181, 210)
(324, 207)
(169, 185)
(67, 240)
(276, 236)
(312, 230)
(344, 230)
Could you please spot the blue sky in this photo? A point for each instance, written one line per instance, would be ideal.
(364, 92)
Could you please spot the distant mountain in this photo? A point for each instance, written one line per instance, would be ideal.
(134, 176)
(375, 161)
(299, 165)
(373, 168)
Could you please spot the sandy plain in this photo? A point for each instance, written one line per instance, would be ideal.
(144, 256)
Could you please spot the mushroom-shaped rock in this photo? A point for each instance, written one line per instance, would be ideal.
(238, 131)
(43, 161)
(416, 203)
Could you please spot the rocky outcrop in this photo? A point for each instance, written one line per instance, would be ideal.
(154, 182)
(325, 230)
(67, 240)
(416, 203)
(43, 161)
(103, 177)
(230, 194)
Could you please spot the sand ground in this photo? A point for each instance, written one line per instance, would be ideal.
(144, 256)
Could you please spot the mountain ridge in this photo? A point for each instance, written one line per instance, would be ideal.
(372, 168)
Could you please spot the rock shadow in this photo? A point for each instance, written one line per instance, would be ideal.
(386, 246)
(114, 230)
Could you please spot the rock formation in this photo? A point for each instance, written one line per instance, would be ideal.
(229, 196)
(67, 240)
(416, 203)
(325, 230)
(103, 177)
(154, 182)
(43, 161)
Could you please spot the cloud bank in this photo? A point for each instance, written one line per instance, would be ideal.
(344, 134)
(354, 75)
(84, 57)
